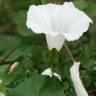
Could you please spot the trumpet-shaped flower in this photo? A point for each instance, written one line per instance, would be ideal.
(58, 22)
(49, 73)
(80, 90)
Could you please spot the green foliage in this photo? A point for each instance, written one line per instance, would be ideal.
(91, 9)
(0, 2)
(7, 42)
(38, 86)
(23, 5)
(20, 44)
(22, 51)
(20, 19)
(44, 1)
(81, 4)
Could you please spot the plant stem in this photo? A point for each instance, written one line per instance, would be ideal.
(69, 52)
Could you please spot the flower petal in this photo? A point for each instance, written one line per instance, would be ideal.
(76, 29)
(80, 90)
(67, 4)
(39, 18)
(57, 75)
(47, 72)
(55, 41)
(52, 19)
(77, 22)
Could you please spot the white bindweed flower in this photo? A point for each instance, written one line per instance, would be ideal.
(74, 71)
(49, 73)
(58, 22)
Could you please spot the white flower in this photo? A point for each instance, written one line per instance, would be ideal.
(57, 75)
(1, 94)
(58, 22)
(49, 73)
(74, 71)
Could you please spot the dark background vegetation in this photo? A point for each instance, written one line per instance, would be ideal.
(18, 44)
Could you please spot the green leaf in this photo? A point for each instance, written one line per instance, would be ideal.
(3, 68)
(24, 70)
(44, 1)
(6, 78)
(51, 87)
(1, 2)
(24, 4)
(91, 9)
(42, 57)
(87, 57)
(39, 86)
(31, 87)
(81, 4)
(9, 42)
(20, 20)
(22, 51)
(4, 75)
